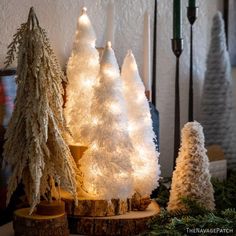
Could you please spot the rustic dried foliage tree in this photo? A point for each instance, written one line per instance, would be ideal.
(35, 147)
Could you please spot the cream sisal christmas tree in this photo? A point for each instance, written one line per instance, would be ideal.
(191, 176)
(145, 157)
(82, 71)
(35, 148)
(106, 166)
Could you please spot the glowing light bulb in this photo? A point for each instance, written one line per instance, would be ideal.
(96, 170)
(93, 44)
(87, 83)
(109, 44)
(142, 172)
(132, 127)
(109, 72)
(95, 146)
(114, 107)
(123, 175)
(93, 62)
(95, 121)
(134, 67)
(141, 152)
(147, 119)
(139, 98)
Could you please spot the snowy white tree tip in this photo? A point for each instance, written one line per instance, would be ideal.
(108, 58)
(85, 32)
(84, 10)
(130, 62)
(108, 44)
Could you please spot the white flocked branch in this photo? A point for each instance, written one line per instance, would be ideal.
(82, 71)
(145, 156)
(106, 165)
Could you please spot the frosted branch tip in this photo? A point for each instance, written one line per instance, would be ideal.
(109, 44)
(84, 10)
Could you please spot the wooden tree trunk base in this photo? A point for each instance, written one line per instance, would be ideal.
(95, 208)
(131, 223)
(47, 208)
(77, 152)
(38, 225)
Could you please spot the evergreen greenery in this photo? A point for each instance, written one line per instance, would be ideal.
(196, 216)
(225, 192)
(179, 223)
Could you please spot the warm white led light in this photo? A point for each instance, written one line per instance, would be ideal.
(115, 108)
(87, 83)
(132, 127)
(109, 44)
(94, 121)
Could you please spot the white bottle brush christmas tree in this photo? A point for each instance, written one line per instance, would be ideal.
(106, 166)
(35, 148)
(145, 156)
(217, 109)
(82, 71)
(191, 176)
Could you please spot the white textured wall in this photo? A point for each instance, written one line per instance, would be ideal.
(166, 69)
(59, 18)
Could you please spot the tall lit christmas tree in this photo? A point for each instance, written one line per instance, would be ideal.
(145, 156)
(82, 71)
(218, 112)
(106, 165)
(35, 148)
(191, 176)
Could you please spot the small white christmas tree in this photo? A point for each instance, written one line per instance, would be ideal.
(145, 157)
(35, 148)
(106, 166)
(191, 176)
(217, 109)
(82, 71)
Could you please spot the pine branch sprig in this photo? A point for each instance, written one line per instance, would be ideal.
(13, 46)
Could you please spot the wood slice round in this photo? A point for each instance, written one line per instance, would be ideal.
(131, 223)
(50, 208)
(38, 225)
(92, 207)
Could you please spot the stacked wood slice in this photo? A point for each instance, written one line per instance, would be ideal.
(49, 220)
(95, 208)
(131, 223)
